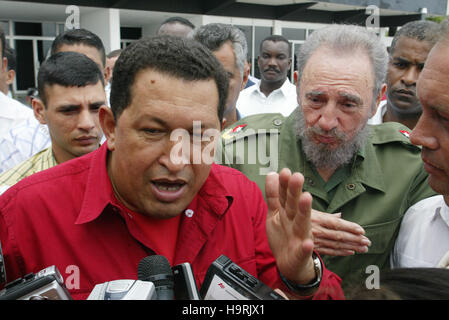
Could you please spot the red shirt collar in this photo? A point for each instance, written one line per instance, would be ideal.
(99, 192)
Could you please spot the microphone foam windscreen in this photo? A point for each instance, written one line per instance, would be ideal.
(156, 269)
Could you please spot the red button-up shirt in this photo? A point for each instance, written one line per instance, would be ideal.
(68, 216)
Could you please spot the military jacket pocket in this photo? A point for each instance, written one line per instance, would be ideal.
(382, 236)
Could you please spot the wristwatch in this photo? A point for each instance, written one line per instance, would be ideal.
(306, 289)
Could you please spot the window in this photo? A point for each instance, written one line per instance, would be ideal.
(294, 34)
(128, 35)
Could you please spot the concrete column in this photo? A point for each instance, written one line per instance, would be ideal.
(277, 27)
(106, 24)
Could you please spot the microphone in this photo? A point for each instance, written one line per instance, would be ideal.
(123, 290)
(47, 284)
(225, 280)
(185, 285)
(157, 269)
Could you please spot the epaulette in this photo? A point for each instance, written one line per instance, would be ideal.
(252, 125)
(392, 132)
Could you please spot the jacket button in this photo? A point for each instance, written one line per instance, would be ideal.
(350, 186)
(310, 181)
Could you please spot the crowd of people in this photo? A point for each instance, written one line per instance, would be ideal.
(314, 180)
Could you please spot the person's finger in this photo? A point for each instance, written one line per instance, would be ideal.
(333, 252)
(281, 293)
(320, 232)
(284, 177)
(302, 222)
(272, 193)
(294, 190)
(336, 223)
(336, 245)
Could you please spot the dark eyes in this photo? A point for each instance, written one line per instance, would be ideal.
(400, 65)
(152, 131)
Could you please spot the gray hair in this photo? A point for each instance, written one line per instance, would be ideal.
(214, 35)
(348, 38)
(421, 30)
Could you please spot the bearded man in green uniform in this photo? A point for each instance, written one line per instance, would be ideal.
(362, 178)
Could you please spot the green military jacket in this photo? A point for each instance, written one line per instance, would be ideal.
(384, 180)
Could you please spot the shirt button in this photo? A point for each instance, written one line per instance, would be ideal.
(277, 122)
(189, 213)
(310, 181)
(350, 186)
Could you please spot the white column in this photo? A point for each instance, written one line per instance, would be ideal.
(277, 27)
(105, 23)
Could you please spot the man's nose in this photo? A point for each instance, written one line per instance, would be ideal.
(410, 76)
(86, 120)
(422, 134)
(328, 118)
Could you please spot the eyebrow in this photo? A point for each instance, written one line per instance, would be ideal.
(163, 123)
(400, 59)
(73, 106)
(314, 94)
(406, 61)
(351, 97)
(345, 95)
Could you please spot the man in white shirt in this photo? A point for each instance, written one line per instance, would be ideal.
(424, 235)
(408, 52)
(11, 111)
(274, 93)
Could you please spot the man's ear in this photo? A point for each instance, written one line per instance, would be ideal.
(379, 99)
(107, 74)
(246, 71)
(39, 110)
(10, 77)
(107, 122)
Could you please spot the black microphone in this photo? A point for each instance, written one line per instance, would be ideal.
(157, 269)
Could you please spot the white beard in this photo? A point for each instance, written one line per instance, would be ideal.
(320, 155)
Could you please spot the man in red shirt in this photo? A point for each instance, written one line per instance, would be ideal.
(97, 216)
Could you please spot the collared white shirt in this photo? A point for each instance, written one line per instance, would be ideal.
(22, 142)
(378, 117)
(107, 90)
(283, 100)
(11, 113)
(423, 238)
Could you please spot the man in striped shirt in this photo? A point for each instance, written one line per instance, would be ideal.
(71, 91)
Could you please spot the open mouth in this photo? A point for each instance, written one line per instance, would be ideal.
(166, 186)
(168, 190)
